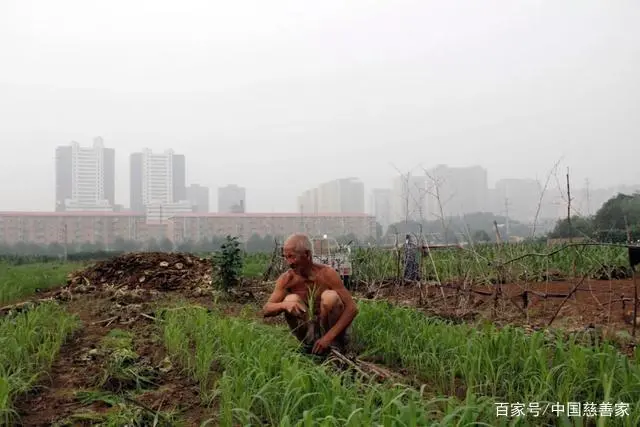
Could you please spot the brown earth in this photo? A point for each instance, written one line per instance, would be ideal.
(594, 302)
(120, 293)
(75, 370)
(123, 293)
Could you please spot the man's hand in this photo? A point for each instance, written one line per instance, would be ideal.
(294, 308)
(321, 345)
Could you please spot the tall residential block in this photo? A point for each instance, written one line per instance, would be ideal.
(408, 199)
(156, 178)
(85, 177)
(198, 196)
(157, 183)
(308, 202)
(381, 206)
(457, 190)
(232, 199)
(344, 195)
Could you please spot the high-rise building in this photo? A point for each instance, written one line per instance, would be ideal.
(408, 199)
(232, 199)
(344, 195)
(381, 206)
(308, 202)
(85, 177)
(198, 196)
(156, 178)
(158, 184)
(457, 190)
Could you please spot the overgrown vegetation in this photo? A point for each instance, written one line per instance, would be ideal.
(29, 343)
(17, 281)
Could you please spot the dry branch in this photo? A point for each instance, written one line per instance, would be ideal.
(567, 298)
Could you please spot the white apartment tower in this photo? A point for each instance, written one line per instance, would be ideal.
(85, 177)
(338, 196)
(158, 184)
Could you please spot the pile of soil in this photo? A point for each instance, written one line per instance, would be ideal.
(159, 271)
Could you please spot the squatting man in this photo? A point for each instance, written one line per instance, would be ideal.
(303, 280)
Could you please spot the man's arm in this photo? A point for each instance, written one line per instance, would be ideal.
(334, 282)
(274, 305)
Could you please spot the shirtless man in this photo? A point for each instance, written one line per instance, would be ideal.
(336, 306)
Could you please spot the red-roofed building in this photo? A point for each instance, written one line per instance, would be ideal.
(195, 226)
(105, 227)
(77, 227)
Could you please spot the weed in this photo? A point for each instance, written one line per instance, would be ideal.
(122, 367)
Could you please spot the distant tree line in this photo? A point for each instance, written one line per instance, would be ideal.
(478, 227)
(255, 244)
(617, 221)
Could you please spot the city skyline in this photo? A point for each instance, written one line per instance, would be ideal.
(325, 197)
(367, 91)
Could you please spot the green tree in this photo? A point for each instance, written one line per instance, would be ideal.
(481, 236)
(579, 227)
(612, 214)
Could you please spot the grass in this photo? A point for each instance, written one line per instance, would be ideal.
(18, 281)
(29, 343)
(256, 375)
(505, 364)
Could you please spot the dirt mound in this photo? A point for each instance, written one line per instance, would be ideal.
(159, 271)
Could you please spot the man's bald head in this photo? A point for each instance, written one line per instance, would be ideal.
(298, 242)
(297, 252)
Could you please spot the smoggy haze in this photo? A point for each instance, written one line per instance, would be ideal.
(280, 96)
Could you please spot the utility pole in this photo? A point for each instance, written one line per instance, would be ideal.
(66, 250)
(506, 216)
(586, 186)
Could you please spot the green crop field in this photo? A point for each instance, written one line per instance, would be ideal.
(482, 263)
(185, 361)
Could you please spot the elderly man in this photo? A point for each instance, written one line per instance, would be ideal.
(308, 282)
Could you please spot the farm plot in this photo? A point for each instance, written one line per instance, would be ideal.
(159, 345)
(29, 343)
(489, 264)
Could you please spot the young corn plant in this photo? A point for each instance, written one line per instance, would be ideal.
(314, 329)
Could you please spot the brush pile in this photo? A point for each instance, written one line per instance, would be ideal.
(158, 271)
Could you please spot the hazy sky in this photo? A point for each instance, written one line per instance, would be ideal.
(278, 96)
